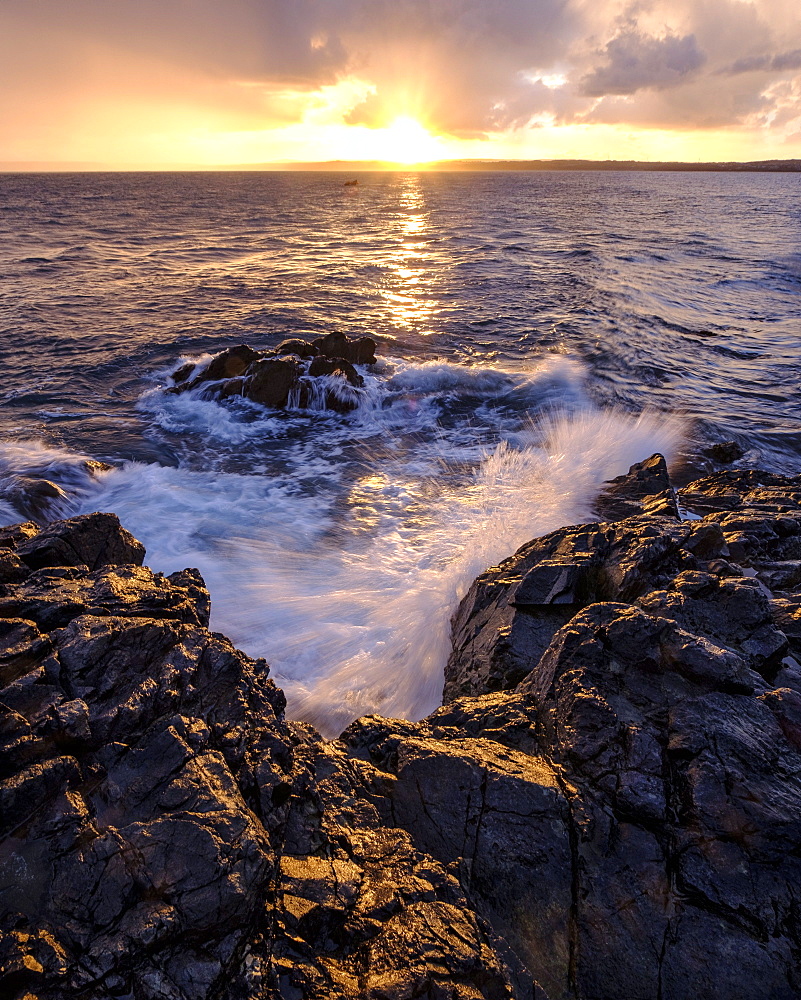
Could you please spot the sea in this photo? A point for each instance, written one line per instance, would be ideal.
(538, 332)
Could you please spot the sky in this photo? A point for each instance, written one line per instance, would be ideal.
(160, 83)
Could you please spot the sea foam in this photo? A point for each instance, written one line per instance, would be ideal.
(343, 563)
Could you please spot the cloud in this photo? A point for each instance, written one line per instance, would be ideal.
(780, 63)
(636, 61)
(466, 68)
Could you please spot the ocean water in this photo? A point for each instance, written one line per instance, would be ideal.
(538, 333)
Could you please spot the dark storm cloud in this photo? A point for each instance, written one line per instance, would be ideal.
(636, 61)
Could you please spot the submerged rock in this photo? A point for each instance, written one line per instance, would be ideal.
(725, 452)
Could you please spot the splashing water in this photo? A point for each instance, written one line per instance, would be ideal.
(346, 580)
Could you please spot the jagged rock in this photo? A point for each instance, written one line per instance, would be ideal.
(734, 613)
(149, 788)
(12, 568)
(365, 914)
(269, 382)
(228, 364)
(182, 374)
(337, 345)
(766, 492)
(286, 377)
(53, 597)
(624, 822)
(91, 540)
(645, 489)
(637, 797)
(787, 615)
(511, 612)
(15, 534)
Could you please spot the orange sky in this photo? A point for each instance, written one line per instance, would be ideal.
(141, 83)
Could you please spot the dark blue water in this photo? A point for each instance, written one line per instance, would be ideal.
(538, 332)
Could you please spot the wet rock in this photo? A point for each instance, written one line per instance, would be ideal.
(53, 597)
(725, 452)
(301, 348)
(511, 612)
(91, 540)
(270, 382)
(164, 833)
(15, 534)
(645, 489)
(734, 613)
(288, 376)
(787, 615)
(363, 913)
(636, 796)
(764, 492)
(234, 361)
(335, 366)
(337, 345)
(628, 785)
(182, 374)
(12, 568)
(33, 498)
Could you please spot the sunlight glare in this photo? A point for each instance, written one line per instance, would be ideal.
(405, 140)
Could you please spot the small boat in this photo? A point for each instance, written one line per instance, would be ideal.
(351, 184)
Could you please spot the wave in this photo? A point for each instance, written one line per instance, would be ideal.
(344, 575)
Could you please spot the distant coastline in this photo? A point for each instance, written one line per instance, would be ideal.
(440, 166)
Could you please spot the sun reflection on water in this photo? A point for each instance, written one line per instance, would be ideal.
(409, 292)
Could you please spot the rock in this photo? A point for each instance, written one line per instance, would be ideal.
(301, 348)
(645, 489)
(91, 540)
(269, 382)
(228, 364)
(335, 366)
(289, 379)
(764, 492)
(182, 374)
(15, 534)
(33, 498)
(12, 568)
(734, 613)
(512, 611)
(363, 913)
(613, 810)
(636, 797)
(53, 597)
(724, 452)
(165, 833)
(337, 345)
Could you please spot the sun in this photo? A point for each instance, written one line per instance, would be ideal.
(405, 140)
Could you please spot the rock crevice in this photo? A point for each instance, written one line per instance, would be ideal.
(608, 803)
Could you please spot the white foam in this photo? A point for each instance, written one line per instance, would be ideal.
(343, 568)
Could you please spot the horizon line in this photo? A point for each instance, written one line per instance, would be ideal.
(790, 165)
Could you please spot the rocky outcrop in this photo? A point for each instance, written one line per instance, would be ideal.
(317, 375)
(608, 804)
(644, 489)
(165, 833)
